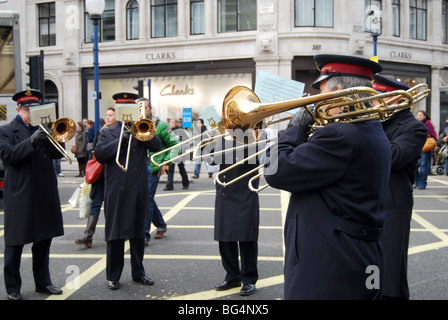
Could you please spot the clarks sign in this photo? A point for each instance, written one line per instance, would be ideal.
(401, 55)
(159, 56)
(171, 90)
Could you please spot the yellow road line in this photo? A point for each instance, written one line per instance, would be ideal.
(98, 267)
(435, 231)
(213, 294)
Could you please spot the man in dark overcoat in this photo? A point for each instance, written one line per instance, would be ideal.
(31, 198)
(236, 220)
(125, 200)
(338, 181)
(407, 136)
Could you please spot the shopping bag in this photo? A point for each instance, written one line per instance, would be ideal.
(74, 199)
(429, 144)
(93, 170)
(85, 201)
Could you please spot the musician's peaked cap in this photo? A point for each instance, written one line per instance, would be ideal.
(27, 97)
(385, 84)
(125, 97)
(331, 65)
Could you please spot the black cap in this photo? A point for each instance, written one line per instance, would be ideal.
(331, 65)
(385, 84)
(27, 97)
(125, 97)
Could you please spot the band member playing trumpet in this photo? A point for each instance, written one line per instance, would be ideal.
(31, 198)
(407, 136)
(125, 198)
(338, 180)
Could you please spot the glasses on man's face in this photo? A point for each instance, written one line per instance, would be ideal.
(24, 109)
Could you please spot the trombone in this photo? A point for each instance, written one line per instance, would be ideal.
(62, 130)
(142, 130)
(242, 109)
(400, 101)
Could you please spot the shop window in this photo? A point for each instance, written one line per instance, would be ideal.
(445, 21)
(237, 15)
(47, 24)
(372, 16)
(396, 18)
(163, 18)
(106, 26)
(132, 20)
(418, 18)
(197, 15)
(314, 13)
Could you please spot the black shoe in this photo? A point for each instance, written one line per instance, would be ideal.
(113, 285)
(14, 296)
(226, 285)
(185, 188)
(167, 189)
(247, 289)
(144, 280)
(51, 289)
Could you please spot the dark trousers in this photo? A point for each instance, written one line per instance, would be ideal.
(170, 175)
(115, 258)
(41, 262)
(248, 273)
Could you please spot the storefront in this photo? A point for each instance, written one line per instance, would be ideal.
(171, 87)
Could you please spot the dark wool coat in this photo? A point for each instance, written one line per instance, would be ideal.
(338, 182)
(407, 136)
(31, 197)
(236, 206)
(125, 193)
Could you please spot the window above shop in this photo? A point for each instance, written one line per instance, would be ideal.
(47, 24)
(132, 20)
(445, 21)
(418, 19)
(106, 27)
(373, 16)
(163, 18)
(396, 18)
(313, 13)
(237, 15)
(197, 17)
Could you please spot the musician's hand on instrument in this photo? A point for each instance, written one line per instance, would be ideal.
(126, 135)
(303, 119)
(38, 136)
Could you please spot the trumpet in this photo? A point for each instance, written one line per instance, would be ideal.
(142, 130)
(62, 130)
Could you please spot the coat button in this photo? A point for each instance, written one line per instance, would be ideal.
(363, 231)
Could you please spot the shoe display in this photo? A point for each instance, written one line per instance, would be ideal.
(226, 285)
(247, 289)
(51, 289)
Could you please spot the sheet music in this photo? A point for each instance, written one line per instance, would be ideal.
(272, 88)
(211, 117)
(45, 113)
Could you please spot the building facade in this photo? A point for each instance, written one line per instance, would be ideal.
(189, 53)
